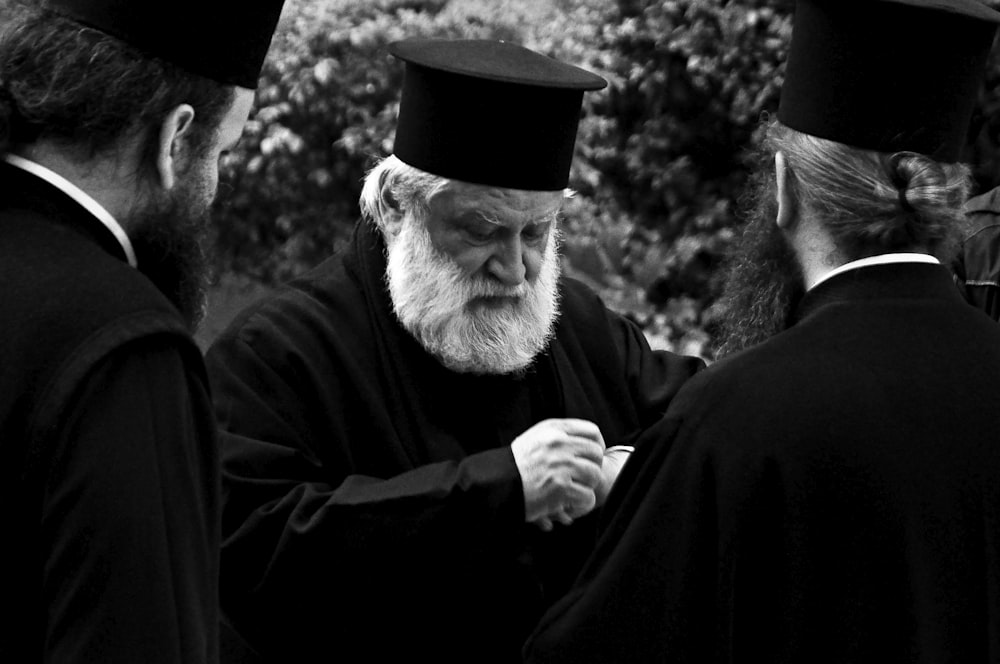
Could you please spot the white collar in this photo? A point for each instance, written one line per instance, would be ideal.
(881, 259)
(78, 195)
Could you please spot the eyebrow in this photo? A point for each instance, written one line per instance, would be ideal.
(478, 214)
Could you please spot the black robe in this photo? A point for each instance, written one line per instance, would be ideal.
(831, 495)
(977, 264)
(109, 475)
(372, 507)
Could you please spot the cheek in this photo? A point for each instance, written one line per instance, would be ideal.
(534, 258)
(205, 180)
(470, 260)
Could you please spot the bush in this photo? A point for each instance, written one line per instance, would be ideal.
(661, 153)
(325, 111)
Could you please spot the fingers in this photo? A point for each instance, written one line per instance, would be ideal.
(580, 429)
(577, 500)
(581, 505)
(563, 517)
(585, 471)
(583, 448)
(560, 465)
(546, 524)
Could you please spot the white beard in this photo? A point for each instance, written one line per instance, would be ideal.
(436, 304)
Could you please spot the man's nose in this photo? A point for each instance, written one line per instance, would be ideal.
(507, 262)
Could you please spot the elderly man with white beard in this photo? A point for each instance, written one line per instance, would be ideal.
(417, 432)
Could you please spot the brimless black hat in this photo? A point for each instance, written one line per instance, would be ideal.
(489, 112)
(887, 75)
(224, 40)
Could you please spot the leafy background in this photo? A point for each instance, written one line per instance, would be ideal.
(661, 153)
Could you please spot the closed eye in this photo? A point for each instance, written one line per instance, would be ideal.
(535, 231)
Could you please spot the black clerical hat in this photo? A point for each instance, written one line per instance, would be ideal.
(489, 112)
(224, 40)
(887, 75)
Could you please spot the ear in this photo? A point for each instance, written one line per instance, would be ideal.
(392, 221)
(787, 204)
(170, 145)
(391, 214)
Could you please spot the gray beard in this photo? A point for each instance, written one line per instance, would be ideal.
(438, 305)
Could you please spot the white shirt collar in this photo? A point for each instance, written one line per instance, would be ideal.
(78, 195)
(881, 259)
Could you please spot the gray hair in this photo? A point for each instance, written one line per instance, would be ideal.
(873, 202)
(394, 184)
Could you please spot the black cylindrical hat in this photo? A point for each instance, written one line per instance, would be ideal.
(489, 112)
(224, 40)
(887, 75)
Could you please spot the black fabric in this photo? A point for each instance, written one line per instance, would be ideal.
(977, 264)
(109, 479)
(372, 507)
(887, 75)
(223, 40)
(517, 109)
(831, 495)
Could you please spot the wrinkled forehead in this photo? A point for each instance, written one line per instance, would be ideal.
(504, 205)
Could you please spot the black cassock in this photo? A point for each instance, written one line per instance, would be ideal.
(832, 495)
(977, 263)
(372, 507)
(109, 483)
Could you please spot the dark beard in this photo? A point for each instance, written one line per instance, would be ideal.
(170, 238)
(763, 282)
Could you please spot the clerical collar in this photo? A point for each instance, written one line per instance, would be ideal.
(881, 259)
(78, 195)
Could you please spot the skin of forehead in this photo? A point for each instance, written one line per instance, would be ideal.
(504, 206)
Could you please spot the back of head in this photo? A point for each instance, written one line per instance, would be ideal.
(85, 75)
(874, 202)
(874, 112)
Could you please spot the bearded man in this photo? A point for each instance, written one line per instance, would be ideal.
(830, 491)
(112, 122)
(410, 429)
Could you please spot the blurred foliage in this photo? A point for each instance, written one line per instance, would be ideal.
(661, 153)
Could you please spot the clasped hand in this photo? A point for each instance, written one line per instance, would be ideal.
(563, 474)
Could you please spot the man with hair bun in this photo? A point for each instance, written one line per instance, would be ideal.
(416, 433)
(113, 118)
(830, 490)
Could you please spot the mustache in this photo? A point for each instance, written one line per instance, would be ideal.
(470, 323)
(485, 288)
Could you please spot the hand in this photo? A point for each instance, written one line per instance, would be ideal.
(560, 465)
(614, 458)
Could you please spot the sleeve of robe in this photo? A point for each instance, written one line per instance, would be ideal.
(301, 548)
(130, 515)
(977, 265)
(295, 521)
(653, 376)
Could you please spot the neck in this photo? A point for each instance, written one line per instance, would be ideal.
(111, 181)
(818, 255)
(815, 250)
